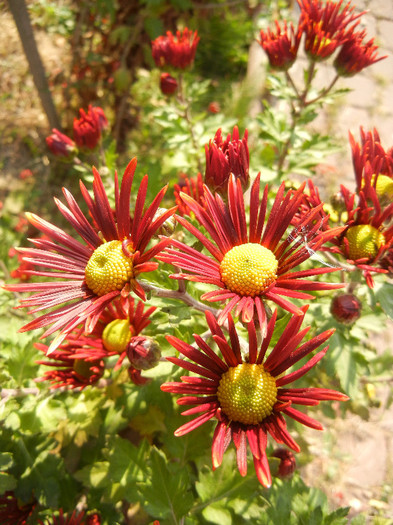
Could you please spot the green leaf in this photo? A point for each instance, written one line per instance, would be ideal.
(167, 492)
(7, 482)
(95, 475)
(384, 295)
(217, 514)
(6, 460)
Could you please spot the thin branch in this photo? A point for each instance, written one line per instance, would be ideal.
(180, 296)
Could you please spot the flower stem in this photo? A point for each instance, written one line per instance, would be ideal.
(180, 296)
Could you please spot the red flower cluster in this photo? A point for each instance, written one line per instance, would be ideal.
(177, 51)
(88, 276)
(367, 238)
(87, 133)
(326, 26)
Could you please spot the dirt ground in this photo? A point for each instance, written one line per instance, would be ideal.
(360, 473)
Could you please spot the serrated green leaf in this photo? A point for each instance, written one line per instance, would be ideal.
(167, 493)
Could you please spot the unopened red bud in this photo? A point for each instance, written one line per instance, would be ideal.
(143, 352)
(346, 308)
(287, 464)
(168, 84)
(214, 107)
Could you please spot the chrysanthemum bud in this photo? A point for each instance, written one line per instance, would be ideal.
(346, 308)
(143, 352)
(169, 225)
(287, 464)
(168, 84)
(338, 202)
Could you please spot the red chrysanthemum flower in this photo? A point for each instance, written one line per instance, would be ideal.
(370, 152)
(13, 511)
(87, 129)
(224, 157)
(68, 370)
(76, 518)
(192, 186)
(326, 26)
(88, 276)
(368, 236)
(248, 396)
(281, 46)
(117, 332)
(355, 55)
(254, 266)
(175, 50)
(60, 144)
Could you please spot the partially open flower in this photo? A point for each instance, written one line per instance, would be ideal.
(281, 46)
(226, 157)
(87, 129)
(177, 50)
(356, 55)
(60, 144)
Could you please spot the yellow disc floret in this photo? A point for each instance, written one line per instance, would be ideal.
(249, 269)
(364, 241)
(247, 393)
(383, 187)
(117, 335)
(108, 268)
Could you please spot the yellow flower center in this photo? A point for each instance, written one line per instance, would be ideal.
(117, 335)
(247, 393)
(364, 241)
(249, 269)
(83, 368)
(383, 187)
(108, 269)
